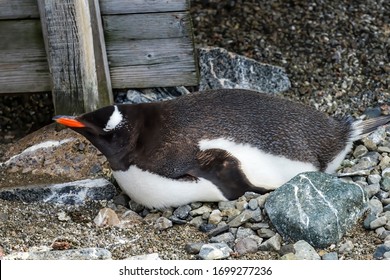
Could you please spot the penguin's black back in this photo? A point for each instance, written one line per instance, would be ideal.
(271, 124)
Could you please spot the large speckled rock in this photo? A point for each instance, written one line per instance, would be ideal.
(222, 69)
(316, 207)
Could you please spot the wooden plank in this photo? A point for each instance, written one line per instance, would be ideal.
(116, 7)
(146, 76)
(147, 26)
(149, 63)
(23, 63)
(76, 54)
(18, 9)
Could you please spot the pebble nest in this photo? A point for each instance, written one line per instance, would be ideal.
(337, 57)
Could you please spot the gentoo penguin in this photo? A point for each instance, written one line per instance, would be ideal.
(215, 145)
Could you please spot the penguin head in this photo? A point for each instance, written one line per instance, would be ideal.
(108, 129)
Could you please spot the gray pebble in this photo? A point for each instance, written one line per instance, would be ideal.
(243, 232)
(386, 208)
(182, 212)
(177, 221)
(253, 204)
(380, 251)
(374, 179)
(245, 246)
(379, 222)
(330, 256)
(372, 189)
(197, 221)
(272, 244)
(196, 205)
(375, 205)
(287, 249)
(215, 217)
(136, 207)
(265, 233)
(200, 211)
(257, 226)
(193, 248)
(163, 223)
(385, 184)
(226, 237)
(241, 219)
(222, 205)
(251, 195)
(218, 230)
(367, 221)
(360, 151)
(262, 199)
(346, 247)
(215, 251)
(207, 227)
(304, 251)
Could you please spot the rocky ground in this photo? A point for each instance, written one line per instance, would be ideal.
(336, 56)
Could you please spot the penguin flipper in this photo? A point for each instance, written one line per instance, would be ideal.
(224, 171)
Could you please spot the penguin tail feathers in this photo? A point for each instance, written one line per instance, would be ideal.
(365, 127)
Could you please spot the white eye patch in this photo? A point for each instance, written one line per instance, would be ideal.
(115, 119)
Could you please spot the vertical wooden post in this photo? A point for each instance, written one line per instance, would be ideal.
(76, 52)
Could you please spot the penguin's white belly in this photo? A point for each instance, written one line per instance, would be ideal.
(155, 191)
(262, 169)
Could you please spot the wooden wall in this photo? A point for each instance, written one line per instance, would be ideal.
(149, 43)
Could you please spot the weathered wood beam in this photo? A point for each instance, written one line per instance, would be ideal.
(76, 54)
(117, 7)
(18, 9)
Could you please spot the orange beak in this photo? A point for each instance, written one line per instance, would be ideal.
(68, 121)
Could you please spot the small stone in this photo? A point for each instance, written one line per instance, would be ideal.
(379, 222)
(256, 216)
(193, 248)
(386, 208)
(367, 221)
(386, 201)
(215, 251)
(129, 219)
(167, 213)
(163, 223)
(121, 199)
(63, 217)
(241, 205)
(272, 244)
(360, 151)
(218, 230)
(262, 199)
(206, 227)
(226, 237)
(330, 256)
(215, 217)
(177, 221)
(251, 195)
(381, 195)
(106, 217)
(374, 179)
(372, 189)
(230, 213)
(197, 221)
(346, 247)
(146, 257)
(201, 210)
(265, 233)
(375, 206)
(253, 204)
(385, 184)
(246, 246)
(289, 257)
(196, 205)
(241, 219)
(257, 226)
(243, 232)
(380, 251)
(289, 248)
(182, 212)
(151, 218)
(223, 205)
(304, 251)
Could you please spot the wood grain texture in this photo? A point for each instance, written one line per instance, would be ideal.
(72, 55)
(23, 63)
(18, 9)
(116, 7)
